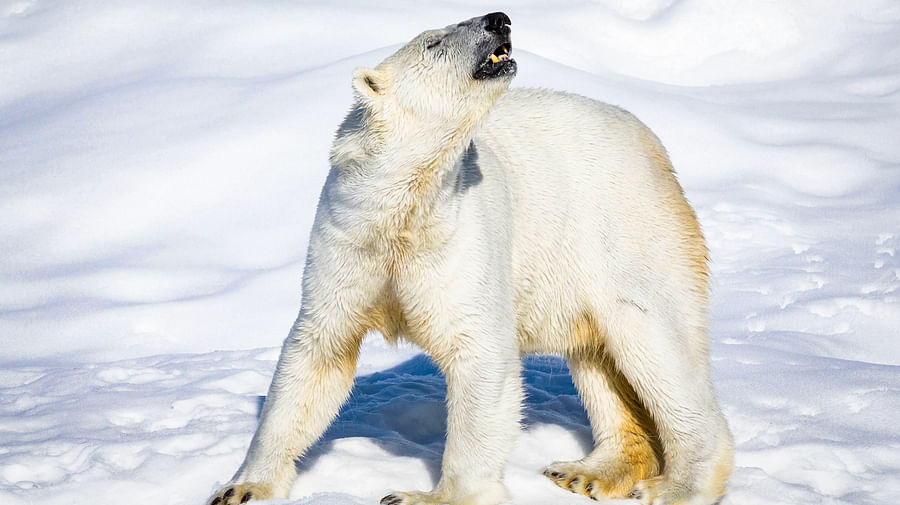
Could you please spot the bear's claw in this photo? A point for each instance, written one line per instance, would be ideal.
(391, 500)
(412, 498)
(237, 494)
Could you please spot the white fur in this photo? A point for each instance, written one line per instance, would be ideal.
(481, 237)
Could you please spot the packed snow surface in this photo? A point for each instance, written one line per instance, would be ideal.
(160, 164)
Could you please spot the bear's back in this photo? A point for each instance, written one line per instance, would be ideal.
(563, 152)
(592, 187)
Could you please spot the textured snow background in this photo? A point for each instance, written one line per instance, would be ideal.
(160, 164)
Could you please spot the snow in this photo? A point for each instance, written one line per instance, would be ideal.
(160, 165)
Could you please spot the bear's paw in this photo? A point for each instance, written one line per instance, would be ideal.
(410, 498)
(596, 481)
(661, 490)
(236, 494)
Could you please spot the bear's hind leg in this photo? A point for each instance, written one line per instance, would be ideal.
(626, 447)
(668, 368)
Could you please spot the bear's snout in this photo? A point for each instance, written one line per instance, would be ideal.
(497, 22)
(492, 51)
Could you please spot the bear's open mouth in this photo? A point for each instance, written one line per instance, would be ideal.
(497, 63)
(500, 54)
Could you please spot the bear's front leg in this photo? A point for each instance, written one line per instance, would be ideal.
(312, 380)
(484, 396)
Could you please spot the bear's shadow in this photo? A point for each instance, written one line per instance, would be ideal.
(402, 409)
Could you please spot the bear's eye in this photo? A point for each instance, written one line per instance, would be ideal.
(432, 43)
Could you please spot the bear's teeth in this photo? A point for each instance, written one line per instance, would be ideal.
(494, 58)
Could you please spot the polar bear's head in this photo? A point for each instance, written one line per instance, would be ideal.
(441, 83)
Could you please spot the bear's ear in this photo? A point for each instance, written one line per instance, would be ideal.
(368, 83)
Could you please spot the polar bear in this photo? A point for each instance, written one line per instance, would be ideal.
(481, 224)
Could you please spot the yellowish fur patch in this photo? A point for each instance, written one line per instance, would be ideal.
(721, 472)
(641, 454)
(692, 242)
(386, 316)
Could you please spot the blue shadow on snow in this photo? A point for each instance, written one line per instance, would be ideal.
(402, 409)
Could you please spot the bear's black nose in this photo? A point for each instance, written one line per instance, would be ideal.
(497, 22)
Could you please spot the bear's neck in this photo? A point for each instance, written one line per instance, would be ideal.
(422, 161)
(420, 175)
(422, 168)
(404, 192)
